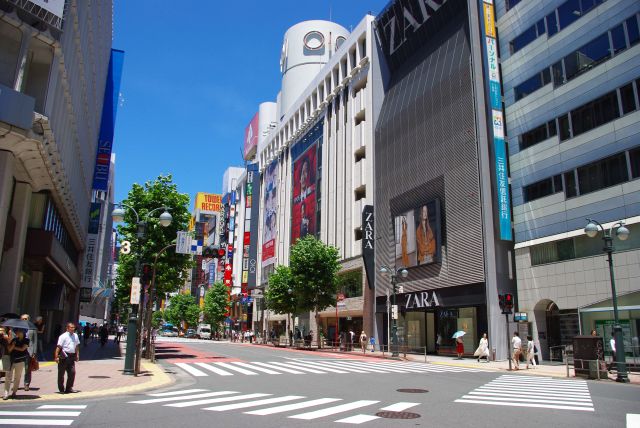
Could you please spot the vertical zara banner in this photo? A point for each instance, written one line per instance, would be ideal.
(368, 243)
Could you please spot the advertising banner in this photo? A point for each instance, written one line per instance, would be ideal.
(497, 122)
(417, 235)
(251, 137)
(108, 121)
(303, 216)
(270, 230)
(208, 203)
(368, 243)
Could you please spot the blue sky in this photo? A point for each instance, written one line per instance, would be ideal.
(194, 74)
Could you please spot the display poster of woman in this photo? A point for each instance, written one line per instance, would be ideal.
(425, 239)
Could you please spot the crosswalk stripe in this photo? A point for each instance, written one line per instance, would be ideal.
(286, 370)
(353, 369)
(254, 403)
(385, 368)
(525, 381)
(237, 369)
(399, 407)
(334, 410)
(546, 406)
(295, 406)
(63, 406)
(260, 369)
(531, 399)
(296, 366)
(499, 387)
(358, 419)
(543, 381)
(181, 392)
(324, 366)
(191, 370)
(184, 397)
(361, 367)
(538, 394)
(215, 370)
(39, 413)
(37, 422)
(633, 420)
(217, 400)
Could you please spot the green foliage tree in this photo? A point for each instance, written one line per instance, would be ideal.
(158, 317)
(182, 307)
(171, 268)
(280, 295)
(314, 266)
(216, 300)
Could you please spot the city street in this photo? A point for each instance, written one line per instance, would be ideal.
(240, 385)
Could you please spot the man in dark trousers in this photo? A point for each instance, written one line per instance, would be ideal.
(66, 354)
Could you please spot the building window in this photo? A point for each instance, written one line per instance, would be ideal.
(533, 84)
(570, 184)
(632, 30)
(542, 188)
(587, 57)
(565, 129)
(634, 157)
(511, 3)
(524, 39)
(594, 114)
(602, 174)
(627, 98)
(537, 135)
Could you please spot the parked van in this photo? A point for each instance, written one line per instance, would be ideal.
(204, 331)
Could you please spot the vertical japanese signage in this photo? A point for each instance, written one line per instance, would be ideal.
(497, 121)
(88, 269)
(269, 229)
(108, 121)
(249, 238)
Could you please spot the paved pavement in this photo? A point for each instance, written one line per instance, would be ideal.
(98, 373)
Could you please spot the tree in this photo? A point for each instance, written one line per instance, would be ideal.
(158, 317)
(171, 268)
(280, 295)
(216, 301)
(314, 266)
(182, 307)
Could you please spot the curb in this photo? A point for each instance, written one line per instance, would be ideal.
(160, 379)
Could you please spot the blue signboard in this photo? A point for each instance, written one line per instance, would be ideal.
(108, 121)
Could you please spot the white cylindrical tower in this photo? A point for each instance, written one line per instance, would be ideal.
(307, 47)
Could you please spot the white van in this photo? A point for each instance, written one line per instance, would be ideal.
(204, 331)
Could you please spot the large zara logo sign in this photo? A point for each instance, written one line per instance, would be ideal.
(368, 242)
(402, 20)
(421, 300)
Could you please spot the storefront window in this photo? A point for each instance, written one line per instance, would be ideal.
(453, 320)
(413, 328)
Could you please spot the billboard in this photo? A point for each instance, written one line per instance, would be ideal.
(251, 133)
(417, 235)
(303, 215)
(270, 229)
(208, 203)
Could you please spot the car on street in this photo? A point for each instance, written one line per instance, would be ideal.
(191, 334)
(169, 332)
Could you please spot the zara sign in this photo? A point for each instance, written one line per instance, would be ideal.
(368, 241)
(421, 300)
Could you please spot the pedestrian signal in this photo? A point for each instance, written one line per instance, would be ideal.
(501, 301)
(508, 301)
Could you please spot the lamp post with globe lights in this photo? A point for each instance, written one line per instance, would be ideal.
(394, 329)
(591, 229)
(133, 342)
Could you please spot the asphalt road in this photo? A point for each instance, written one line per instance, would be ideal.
(241, 385)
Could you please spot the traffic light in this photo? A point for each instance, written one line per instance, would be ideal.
(211, 252)
(501, 301)
(508, 301)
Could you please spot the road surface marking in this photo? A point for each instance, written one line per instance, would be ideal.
(633, 420)
(334, 410)
(297, 366)
(38, 413)
(37, 422)
(237, 369)
(254, 403)
(260, 369)
(282, 369)
(399, 407)
(181, 392)
(192, 370)
(184, 397)
(215, 370)
(358, 419)
(296, 406)
(217, 400)
(63, 406)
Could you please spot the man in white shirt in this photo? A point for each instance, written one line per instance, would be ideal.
(66, 354)
(516, 345)
(612, 344)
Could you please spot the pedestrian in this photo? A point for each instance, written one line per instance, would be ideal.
(40, 325)
(531, 352)
(32, 335)
(5, 358)
(438, 343)
(119, 332)
(612, 344)
(483, 348)
(352, 339)
(86, 333)
(594, 333)
(104, 335)
(516, 345)
(18, 350)
(66, 354)
(459, 347)
(363, 342)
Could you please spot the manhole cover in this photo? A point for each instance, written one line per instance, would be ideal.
(413, 390)
(99, 377)
(398, 415)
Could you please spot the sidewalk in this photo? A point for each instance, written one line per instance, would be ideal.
(98, 374)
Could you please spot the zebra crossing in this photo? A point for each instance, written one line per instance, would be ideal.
(301, 366)
(263, 404)
(533, 391)
(45, 415)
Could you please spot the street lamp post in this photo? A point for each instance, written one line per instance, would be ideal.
(133, 341)
(622, 233)
(394, 311)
